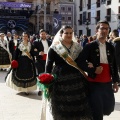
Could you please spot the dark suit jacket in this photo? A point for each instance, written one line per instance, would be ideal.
(8, 38)
(91, 54)
(11, 46)
(18, 53)
(37, 44)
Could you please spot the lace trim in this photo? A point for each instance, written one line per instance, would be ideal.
(28, 78)
(74, 51)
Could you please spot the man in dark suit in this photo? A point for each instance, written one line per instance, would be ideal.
(9, 36)
(103, 76)
(40, 51)
(14, 43)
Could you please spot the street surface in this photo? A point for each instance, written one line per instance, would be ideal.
(17, 106)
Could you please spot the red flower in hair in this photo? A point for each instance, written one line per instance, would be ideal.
(14, 64)
(46, 78)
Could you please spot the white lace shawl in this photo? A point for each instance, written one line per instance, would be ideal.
(74, 51)
(24, 48)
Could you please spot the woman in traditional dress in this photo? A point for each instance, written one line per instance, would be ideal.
(5, 56)
(23, 78)
(68, 94)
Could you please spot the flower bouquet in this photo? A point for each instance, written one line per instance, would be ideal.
(44, 81)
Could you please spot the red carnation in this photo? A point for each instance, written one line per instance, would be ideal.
(14, 64)
(45, 78)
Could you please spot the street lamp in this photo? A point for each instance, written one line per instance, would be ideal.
(87, 23)
(39, 8)
(45, 5)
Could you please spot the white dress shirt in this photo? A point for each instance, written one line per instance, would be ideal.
(103, 55)
(15, 42)
(45, 45)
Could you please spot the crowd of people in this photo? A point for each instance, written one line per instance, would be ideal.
(87, 70)
(24, 59)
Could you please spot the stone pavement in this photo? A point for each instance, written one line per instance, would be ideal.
(116, 114)
(17, 106)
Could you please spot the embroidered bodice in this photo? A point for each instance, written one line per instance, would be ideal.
(24, 48)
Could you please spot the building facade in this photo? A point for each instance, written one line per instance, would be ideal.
(16, 14)
(55, 14)
(89, 12)
(33, 15)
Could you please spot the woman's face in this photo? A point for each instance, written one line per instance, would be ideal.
(25, 37)
(67, 35)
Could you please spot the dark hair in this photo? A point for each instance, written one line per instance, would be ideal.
(90, 38)
(115, 32)
(26, 33)
(64, 28)
(101, 21)
(15, 33)
(42, 30)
